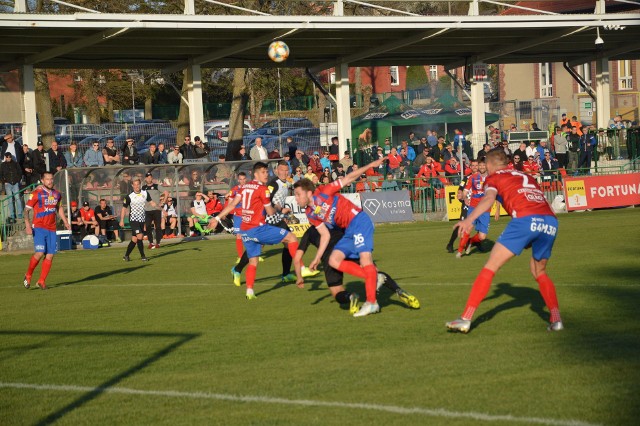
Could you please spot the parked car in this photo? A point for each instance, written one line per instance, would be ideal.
(86, 142)
(306, 139)
(79, 129)
(167, 137)
(140, 132)
(219, 129)
(273, 128)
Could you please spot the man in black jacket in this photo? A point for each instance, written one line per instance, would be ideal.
(57, 161)
(38, 163)
(10, 175)
(8, 144)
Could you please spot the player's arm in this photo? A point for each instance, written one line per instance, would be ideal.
(497, 213)
(26, 214)
(62, 215)
(325, 236)
(125, 208)
(483, 206)
(230, 207)
(354, 175)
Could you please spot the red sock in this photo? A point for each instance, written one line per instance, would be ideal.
(33, 262)
(475, 239)
(351, 268)
(370, 279)
(239, 247)
(548, 291)
(251, 275)
(478, 292)
(293, 247)
(463, 242)
(46, 267)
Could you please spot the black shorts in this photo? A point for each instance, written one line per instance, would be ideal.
(109, 224)
(312, 237)
(137, 228)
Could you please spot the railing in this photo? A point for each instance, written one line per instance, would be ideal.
(10, 226)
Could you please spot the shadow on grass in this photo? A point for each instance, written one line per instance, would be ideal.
(181, 339)
(520, 297)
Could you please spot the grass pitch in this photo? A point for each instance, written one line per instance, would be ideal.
(174, 342)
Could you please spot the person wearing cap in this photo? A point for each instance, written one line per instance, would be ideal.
(153, 212)
(200, 150)
(175, 156)
(346, 161)
(38, 162)
(10, 175)
(258, 152)
(93, 157)
(315, 164)
(89, 219)
(130, 154)
(324, 161)
(77, 225)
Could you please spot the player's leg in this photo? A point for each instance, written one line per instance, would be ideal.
(482, 227)
(157, 223)
(39, 243)
(253, 252)
(540, 253)
(498, 257)
(464, 238)
(46, 267)
(454, 233)
(405, 297)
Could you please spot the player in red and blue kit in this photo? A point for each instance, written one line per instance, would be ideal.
(44, 202)
(533, 224)
(237, 213)
(473, 193)
(326, 208)
(256, 201)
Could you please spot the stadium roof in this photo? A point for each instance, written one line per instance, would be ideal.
(171, 42)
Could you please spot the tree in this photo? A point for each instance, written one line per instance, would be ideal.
(416, 77)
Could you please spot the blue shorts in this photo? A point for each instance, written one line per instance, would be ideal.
(45, 241)
(482, 222)
(358, 237)
(537, 232)
(237, 220)
(253, 239)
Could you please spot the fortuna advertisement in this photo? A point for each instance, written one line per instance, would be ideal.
(594, 192)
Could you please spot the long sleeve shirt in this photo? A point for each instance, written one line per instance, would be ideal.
(93, 158)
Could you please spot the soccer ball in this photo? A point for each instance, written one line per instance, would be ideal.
(278, 51)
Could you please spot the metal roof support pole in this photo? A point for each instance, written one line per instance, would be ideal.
(343, 110)
(603, 93)
(28, 100)
(196, 109)
(189, 7)
(20, 6)
(478, 135)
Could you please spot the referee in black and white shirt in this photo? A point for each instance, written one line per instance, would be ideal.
(279, 189)
(153, 211)
(135, 204)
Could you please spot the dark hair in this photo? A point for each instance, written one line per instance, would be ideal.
(283, 163)
(242, 174)
(221, 157)
(305, 184)
(259, 165)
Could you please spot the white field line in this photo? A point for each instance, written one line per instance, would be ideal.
(430, 412)
(88, 284)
